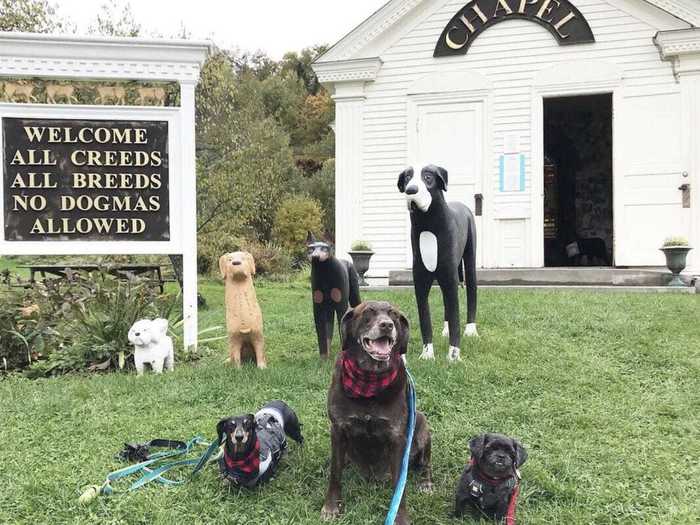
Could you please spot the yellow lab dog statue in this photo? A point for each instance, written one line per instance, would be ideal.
(244, 320)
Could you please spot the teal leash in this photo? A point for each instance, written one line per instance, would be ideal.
(154, 474)
(401, 482)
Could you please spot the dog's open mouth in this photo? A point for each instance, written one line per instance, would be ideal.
(379, 349)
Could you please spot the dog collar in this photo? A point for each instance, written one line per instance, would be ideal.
(488, 479)
(361, 384)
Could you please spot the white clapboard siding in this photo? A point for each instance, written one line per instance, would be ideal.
(509, 55)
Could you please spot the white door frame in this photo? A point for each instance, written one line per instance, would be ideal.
(484, 98)
(540, 92)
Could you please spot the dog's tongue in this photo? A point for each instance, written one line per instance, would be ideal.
(380, 348)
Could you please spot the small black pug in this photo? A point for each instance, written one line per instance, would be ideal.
(491, 477)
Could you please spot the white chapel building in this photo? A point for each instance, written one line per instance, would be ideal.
(557, 120)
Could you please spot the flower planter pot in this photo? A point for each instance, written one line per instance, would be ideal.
(675, 261)
(360, 260)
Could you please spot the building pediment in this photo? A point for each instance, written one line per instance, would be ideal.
(398, 17)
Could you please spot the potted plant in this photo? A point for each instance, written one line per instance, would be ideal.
(361, 252)
(676, 250)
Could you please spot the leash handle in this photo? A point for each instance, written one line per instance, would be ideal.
(89, 494)
(401, 482)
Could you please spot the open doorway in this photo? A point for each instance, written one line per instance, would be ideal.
(578, 181)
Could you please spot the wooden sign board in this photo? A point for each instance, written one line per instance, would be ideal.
(85, 179)
(102, 180)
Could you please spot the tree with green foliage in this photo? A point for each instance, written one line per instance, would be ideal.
(300, 64)
(296, 216)
(245, 164)
(32, 16)
(321, 187)
(115, 18)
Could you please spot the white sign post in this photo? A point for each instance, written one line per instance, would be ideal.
(28, 56)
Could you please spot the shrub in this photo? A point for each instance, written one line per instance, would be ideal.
(26, 334)
(97, 311)
(81, 323)
(361, 246)
(295, 217)
(269, 258)
(212, 246)
(321, 186)
(675, 241)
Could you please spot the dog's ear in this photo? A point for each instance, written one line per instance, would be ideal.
(476, 446)
(404, 334)
(403, 179)
(160, 328)
(310, 237)
(345, 325)
(220, 430)
(251, 417)
(442, 176)
(222, 265)
(251, 260)
(520, 453)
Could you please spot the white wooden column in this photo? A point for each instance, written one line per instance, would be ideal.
(682, 49)
(189, 256)
(347, 80)
(349, 109)
(690, 88)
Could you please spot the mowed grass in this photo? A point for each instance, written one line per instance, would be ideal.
(603, 390)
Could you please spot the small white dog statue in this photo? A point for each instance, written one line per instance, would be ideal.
(152, 345)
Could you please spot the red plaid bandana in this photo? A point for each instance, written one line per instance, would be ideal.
(246, 467)
(358, 383)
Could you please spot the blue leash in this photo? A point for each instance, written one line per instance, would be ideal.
(153, 474)
(401, 482)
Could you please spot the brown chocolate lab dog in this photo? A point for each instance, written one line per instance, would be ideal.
(244, 321)
(367, 404)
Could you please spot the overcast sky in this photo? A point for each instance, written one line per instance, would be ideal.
(273, 26)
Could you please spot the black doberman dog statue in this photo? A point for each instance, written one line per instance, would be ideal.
(443, 239)
(334, 287)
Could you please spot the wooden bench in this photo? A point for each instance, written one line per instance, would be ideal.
(121, 271)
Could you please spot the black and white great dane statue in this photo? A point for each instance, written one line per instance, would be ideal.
(443, 238)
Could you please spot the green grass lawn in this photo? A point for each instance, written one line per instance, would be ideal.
(603, 390)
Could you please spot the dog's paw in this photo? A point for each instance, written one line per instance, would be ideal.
(428, 352)
(262, 366)
(330, 511)
(453, 355)
(446, 330)
(470, 330)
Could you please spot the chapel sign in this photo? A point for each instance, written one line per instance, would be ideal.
(560, 17)
(90, 180)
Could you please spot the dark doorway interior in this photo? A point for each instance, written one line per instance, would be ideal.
(578, 182)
